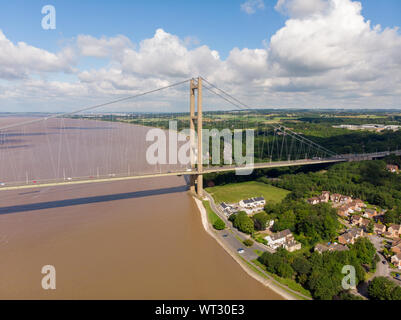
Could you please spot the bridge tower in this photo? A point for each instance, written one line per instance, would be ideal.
(196, 159)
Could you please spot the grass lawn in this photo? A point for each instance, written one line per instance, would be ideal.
(213, 217)
(235, 192)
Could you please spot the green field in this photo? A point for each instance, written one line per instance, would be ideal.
(235, 192)
(212, 216)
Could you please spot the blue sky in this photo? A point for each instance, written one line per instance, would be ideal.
(284, 53)
(219, 24)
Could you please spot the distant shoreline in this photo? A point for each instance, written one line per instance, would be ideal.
(265, 282)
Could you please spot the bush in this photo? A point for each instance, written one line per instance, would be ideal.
(219, 224)
(248, 242)
(381, 288)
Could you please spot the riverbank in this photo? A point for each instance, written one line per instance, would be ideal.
(242, 262)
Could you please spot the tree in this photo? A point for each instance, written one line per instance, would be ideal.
(301, 265)
(219, 224)
(365, 250)
(243, 223)
(260, 220)
(285, 271)
(380, 288)
(248, 242)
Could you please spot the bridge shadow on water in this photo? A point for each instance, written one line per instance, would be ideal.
(90, 200)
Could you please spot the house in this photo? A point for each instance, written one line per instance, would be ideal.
(292, 245)
(338, 247)
(396, 246)
(392, 168)
(248, 203)
(257, 202)
(395, 230)
(279, 238)
(359, 203)
(350, 236)
(284, 239)
(320, 248)
(387, 234)
(356, 220)
(370, 213)
(314, 200)
(323, 199)
(326, 196)
(345, 199)
(335, 197)
(379, 229)
(365, 224)
(345, 210)
(227, 209)
(396, 260)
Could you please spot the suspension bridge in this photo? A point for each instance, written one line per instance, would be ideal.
(83, 147)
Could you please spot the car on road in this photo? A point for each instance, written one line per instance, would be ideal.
(225, 235)
(240, 250)
(384, 262)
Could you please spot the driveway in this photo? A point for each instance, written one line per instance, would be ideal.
(382, 270)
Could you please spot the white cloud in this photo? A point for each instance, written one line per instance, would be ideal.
(20, 60)
(301, 9)
(104, 47)
(251, 6)
(326, 55)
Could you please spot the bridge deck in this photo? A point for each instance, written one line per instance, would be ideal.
(76, 181)
(266, 165)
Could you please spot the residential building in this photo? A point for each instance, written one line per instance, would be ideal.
(326, 196)
(370, 213)
(356, 220)
(292, 245)
(396, 246)
(395, 230)
(227, 209)
(396, 260)
(350, 236)
(321, 248)
(379, 229)
(314, 200)
(335, 197)
(345, 199)
(284, 239)
(365, 224)
(392, 168)
(331, 247)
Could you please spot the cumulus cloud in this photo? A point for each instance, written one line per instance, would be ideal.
(102, 48)
(19, 60)
(326, 55)
(304, 8)
(251, 6)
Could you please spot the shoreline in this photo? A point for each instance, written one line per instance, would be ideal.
(267, 283)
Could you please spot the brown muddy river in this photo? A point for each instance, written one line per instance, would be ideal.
(139, 239)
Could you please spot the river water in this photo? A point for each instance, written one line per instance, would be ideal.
(138, 239)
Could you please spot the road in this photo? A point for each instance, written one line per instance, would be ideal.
(234, 231)
(382, 270)
(231, 237)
